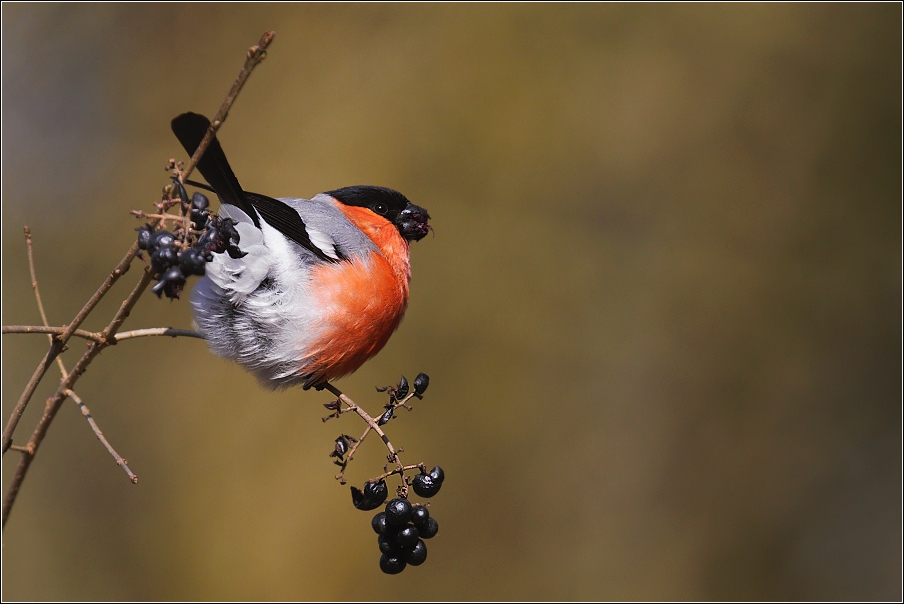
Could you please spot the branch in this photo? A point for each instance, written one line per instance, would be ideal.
(393, 454)
(97, 337)
(56, 401)
(255, 55)
(51, 331)
(63, 373)
(108, 336)
(34, 287)
(100, 435)
(59, 344)
(157, 331)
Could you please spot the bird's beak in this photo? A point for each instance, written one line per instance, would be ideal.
(412, 222)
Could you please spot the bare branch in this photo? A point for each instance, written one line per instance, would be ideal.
(255, 55)
(51, 331)
(157, 331)
(108, 336)
(393, 454)
(100, 435)
(59, 343)
(34, 287)
(97, 337)
(56, 401)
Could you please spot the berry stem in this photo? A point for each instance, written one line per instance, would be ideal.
(371, 422)
(341, 475)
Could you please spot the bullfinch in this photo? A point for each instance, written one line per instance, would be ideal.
(323, 282)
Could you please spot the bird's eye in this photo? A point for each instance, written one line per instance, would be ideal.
(381, 208)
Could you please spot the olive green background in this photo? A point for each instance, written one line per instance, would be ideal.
(661, 311)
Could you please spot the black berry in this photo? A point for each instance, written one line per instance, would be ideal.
(420, 383)
(372, 497)
(192, 262)
(199, 201)
(144, 235)
(163, 257)
(425, 486)
(387, 415)
(392, 564)
(159, 239)
(418, 554)
(408, 536)
(379, 523)
(398, 512)
(437, 474)
(420, 515)
(376, 492)
(341, 447)
(388, 544)
(430, 528)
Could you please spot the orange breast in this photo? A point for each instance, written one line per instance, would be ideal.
(363, 300)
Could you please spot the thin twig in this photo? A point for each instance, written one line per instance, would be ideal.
(255, 55)
(100, 435)
(59, 343)
(351, 453)
(164, 216)
(399, 470)
(393, 454)
(56, 401)
(157, 331)
(51, 331)
(98, 337)
(34, 287)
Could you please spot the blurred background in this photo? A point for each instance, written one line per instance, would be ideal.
(661, 312)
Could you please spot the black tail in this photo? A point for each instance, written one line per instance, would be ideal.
(190, 129)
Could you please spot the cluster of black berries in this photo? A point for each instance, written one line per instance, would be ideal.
(399, 392)
(402, 529)
(173, 267)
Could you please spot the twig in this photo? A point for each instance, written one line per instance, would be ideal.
(417, 466)
(255, 55)
(63, 373)
(56, 401)
(164, 216)
(98, 337)
(393, 454)
(34, 287)
(108, 336)
(51, 331)
(100, 435)
(59, 343)
(351, 453)
(157, 331)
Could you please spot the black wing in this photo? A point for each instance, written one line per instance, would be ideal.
(286, 220)
(190, 129)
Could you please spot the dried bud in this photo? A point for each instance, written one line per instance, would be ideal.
(341, 446)
(402, 390)
(387, 415)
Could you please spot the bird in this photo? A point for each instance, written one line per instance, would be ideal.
(321, 284)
